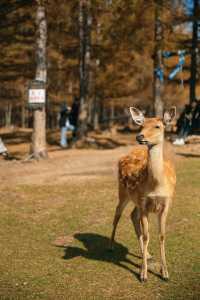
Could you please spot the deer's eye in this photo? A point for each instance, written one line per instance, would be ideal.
(157, 126)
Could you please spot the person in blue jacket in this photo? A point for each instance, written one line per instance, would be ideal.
(65, 125)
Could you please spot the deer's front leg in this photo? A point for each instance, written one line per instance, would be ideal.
(145, 236)
(162, 224)
(135, 217)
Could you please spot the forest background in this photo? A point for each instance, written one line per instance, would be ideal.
(121, 44)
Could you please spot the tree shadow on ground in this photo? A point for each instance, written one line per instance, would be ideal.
(96, 248)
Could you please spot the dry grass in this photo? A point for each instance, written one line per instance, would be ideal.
(54, 238)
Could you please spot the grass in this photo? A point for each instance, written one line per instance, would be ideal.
(54, 240)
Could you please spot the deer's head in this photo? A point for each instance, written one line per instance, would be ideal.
(152, 129)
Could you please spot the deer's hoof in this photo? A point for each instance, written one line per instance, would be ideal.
(165, 275)
(143, 280)
(165, 278)
(143, 277)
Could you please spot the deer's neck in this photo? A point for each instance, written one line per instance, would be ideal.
(156, 164)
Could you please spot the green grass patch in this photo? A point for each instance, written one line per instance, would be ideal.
(54, 242)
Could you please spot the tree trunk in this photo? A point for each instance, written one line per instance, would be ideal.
(88, 71)
(193, 67)
(112, 114)
(96, 102)
(96, 113)
(38, 147)
(82, 113)
(23, 116)
(8, 114)
(158, 65)
(84, 64)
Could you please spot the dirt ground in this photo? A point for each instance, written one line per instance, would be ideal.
(71, 164)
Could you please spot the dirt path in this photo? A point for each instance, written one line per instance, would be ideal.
(62, 166)
(71, 165)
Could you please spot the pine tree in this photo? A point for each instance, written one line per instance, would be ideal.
(194, 49)
(158, 64)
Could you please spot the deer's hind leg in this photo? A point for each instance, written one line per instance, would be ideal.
(136, 220)
(123, 200)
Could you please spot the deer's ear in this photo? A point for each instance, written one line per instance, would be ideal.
(137, 116)
(169, 115)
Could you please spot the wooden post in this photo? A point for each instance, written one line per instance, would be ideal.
(38, 147)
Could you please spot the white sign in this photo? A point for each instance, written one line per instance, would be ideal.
(37, 96)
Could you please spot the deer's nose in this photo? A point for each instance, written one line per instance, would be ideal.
(139, 137)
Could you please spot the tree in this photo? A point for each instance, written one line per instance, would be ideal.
(193, 68)
(38, 147)
(158, 65)
(119, 37)
(17, 57)
(85, 22)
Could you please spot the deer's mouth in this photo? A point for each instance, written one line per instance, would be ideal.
(140, 138)
(143, 142)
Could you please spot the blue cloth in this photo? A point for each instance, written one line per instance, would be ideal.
(175, 71)
(167, 54)
(180, 64)
(159, 73)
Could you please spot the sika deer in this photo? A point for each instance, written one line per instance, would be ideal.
(148, 180)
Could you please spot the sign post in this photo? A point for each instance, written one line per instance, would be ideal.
(36, 103)
(36, 95)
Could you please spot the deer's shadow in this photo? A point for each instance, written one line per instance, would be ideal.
(96, 248)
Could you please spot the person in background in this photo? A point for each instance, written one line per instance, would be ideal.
(3, 150)
(73, 117)
(184, 123)
(65, 125)
(196, 118)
